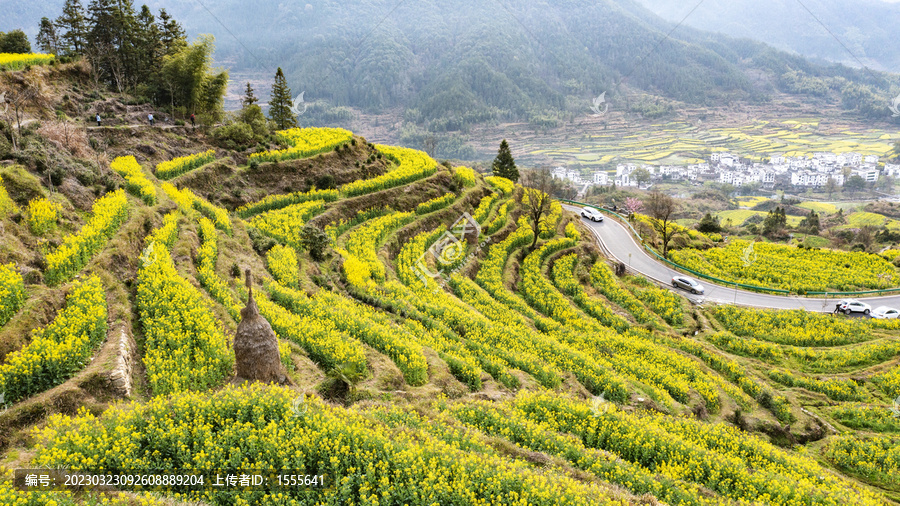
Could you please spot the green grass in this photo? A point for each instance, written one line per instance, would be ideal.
(814, 241)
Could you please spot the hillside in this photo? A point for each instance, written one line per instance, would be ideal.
(864, 27)
(436, 69)
(432, 356)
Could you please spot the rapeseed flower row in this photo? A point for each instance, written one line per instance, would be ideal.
(839, 389)
(135, 180)
(366, 461)
(493, 344)
(42, 215)
(274, 202)
(500, 421)
(729, 369)
(282, 262)
(825, 360)
(207, 256)
(182, 164)
(572, 232)
(483, 210)
(337, 228)
(61, 349)
(872, 418)
(501, 183)
(185, 346)
(564, 279)
(215, 213)
(464, 363)
(796, 327)
(490, 275)
(551, 221)
(594, 372)
(18, 61)
(791, 268)
(12, 292)
(412, 165)
(662, 302)
(724, 459)
(634, 355)
(358, 321)
(110, 212)
(501, 332)
(12, 496)
(500, 220)
(427, 330)
(167, 233)
(876, 458)
(304, 142)
(465, 176)
(435, 203)
(321, 339)
(187, 201)
(364, 241)
(285, 224)
(890, 382)
(603, 280)
(182, 199)
(573, 331)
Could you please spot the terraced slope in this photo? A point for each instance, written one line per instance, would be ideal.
(435, 357)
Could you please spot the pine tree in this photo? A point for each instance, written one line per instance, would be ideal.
(47, 39)
(150, 52)
(172, 38)
(72, 27)
(280, 105)
(249, 98)
(102, 36)
(504, 165)
(129, 43)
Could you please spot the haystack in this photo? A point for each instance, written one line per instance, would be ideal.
(256, 346)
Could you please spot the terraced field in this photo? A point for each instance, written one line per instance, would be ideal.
(434, 357)
(680, 143)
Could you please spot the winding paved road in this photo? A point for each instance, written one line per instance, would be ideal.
(618, 241)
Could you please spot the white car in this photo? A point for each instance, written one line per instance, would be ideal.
(885, 313)
(854, 306)
(688, 284)
(591, 214)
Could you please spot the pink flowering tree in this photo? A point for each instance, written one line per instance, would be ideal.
(633, 205)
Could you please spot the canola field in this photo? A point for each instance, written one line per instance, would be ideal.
(680, 143)
(441, 349)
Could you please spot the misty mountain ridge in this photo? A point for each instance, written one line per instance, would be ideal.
(448, 66)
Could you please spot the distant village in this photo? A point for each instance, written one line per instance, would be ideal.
(799, 171)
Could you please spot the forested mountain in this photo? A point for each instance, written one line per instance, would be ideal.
(448, 65)
(868, 28)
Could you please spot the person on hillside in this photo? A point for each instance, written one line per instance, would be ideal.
(193, 123)
(98, 119)
(150, 117)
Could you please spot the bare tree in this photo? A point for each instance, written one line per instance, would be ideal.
(430, 143)
(662, 209)
(21, 93)
(538, 186)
